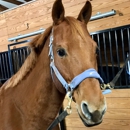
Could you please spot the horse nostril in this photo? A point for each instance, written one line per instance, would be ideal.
(85, 110)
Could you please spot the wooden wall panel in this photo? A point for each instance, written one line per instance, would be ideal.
(3, 32)
(3, 43)
(2, 16)
(117, 116)
(2, 23)
(98, 4)
(38, 15)
(105, 23)
(23, 32)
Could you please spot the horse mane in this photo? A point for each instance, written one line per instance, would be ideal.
(36, 46)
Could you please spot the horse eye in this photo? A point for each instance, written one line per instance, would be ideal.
(61, 52)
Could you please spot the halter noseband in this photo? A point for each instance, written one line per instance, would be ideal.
(89, 73)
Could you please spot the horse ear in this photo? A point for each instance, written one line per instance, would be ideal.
(85, 13)
(58, 12)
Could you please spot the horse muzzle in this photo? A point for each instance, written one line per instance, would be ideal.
(89, 123)
(90, 118)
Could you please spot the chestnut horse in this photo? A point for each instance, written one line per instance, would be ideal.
(31, 99)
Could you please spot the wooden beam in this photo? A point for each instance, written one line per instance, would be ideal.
(14, 2)
(2, 8)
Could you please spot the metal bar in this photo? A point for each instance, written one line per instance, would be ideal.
(100, 58)
(123, 51)
(1, 64)
(21, 57)
(10, 55)
(102, 15)
(7, 69)
(11, 2)
(4, 70)
(117, 52)
(28, 51)
(24, 55)
(18, 61)
(16, 43)
(105, 56)
(17, 6)
(10, 61)
(111, 55)
(26, 35)
(128, 34)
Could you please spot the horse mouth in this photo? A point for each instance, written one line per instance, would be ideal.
(89, 124)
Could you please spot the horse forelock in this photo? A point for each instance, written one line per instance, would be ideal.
(76, 27)
(36, 45)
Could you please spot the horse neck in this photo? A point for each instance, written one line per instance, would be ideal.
(40, 90)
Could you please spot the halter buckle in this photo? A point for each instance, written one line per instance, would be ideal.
(68, 107)
(105, 86)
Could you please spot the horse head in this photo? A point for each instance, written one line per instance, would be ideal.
(74, 52)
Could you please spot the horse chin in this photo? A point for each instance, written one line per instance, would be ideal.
(87, 122)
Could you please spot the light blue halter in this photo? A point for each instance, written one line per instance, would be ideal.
(89, 73)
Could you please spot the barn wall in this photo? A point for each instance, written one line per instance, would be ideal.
(117, 116)
(36, 15)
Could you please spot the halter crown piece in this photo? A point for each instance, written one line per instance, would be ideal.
(89, 73)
